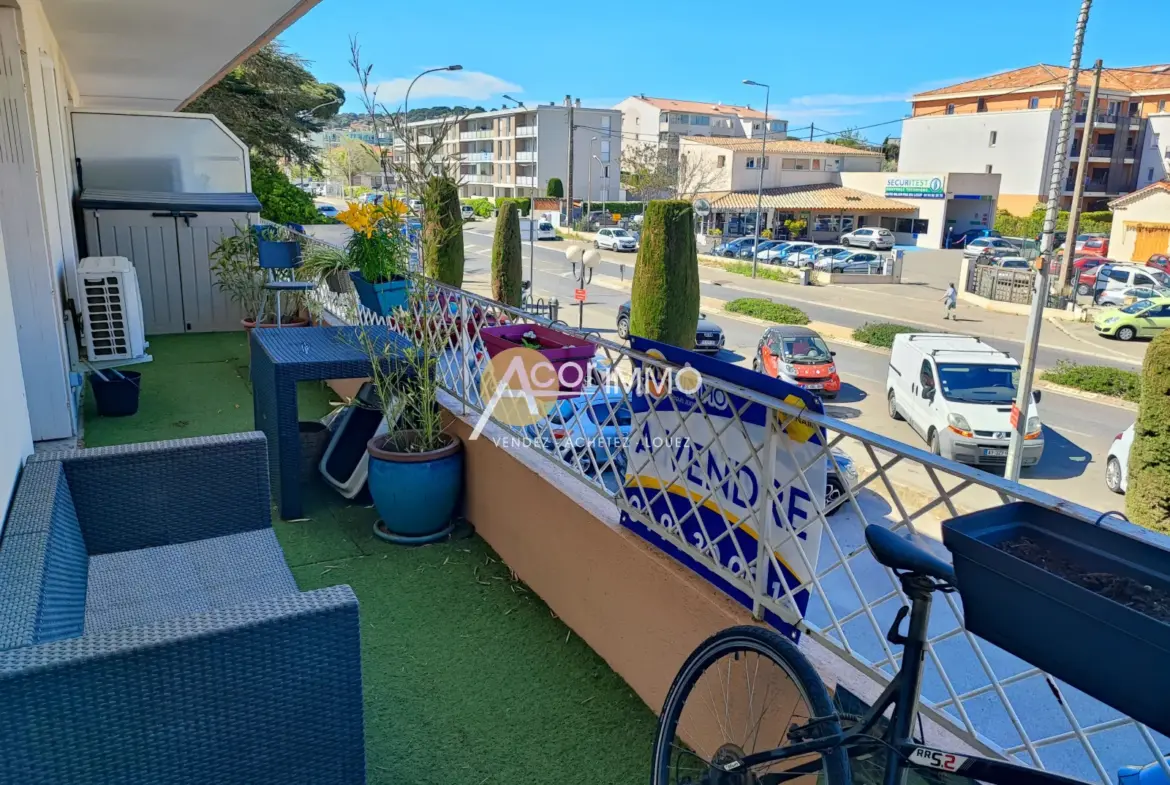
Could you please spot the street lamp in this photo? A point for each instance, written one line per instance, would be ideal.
(588, 259)
(760, 164)
(515, 101)
(305, 114)
(406, 111)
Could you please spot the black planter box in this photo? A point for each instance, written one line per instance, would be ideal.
(1118, 655)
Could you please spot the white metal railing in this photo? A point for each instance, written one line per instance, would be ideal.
(480, 156)
(477, 178)
(526, 181)
(486, 134)
(985, 696)
(525, 156)
(526, 130)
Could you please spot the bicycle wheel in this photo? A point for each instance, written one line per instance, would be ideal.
(746, 690)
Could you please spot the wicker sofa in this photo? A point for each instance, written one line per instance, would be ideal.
(151, 632)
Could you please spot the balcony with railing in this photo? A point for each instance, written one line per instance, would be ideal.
(526, 156)
(484, 155)
(465, 136)
(528, 182)
(477, 178)
(526, 130)
(1102, 118)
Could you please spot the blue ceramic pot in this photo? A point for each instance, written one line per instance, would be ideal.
(381, 298)
(416, 493)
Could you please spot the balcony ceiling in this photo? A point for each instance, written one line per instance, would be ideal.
(158, 54)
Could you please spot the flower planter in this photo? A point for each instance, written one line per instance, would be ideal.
(416, 494)
(558, 348)
(1096, 614)
(381, 298)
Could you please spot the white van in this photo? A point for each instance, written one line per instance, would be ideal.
(957, 392)
(1118, 277)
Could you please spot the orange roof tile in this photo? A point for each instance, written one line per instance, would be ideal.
(1141, 193)
(781, 146)
(699, 107)
(820, 196)
(1127, 80)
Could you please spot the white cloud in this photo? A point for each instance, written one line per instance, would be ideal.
(467, 85)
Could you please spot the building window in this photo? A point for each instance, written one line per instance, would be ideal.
(751, 162)
(1033, 103)
(1113, 108)
(950, 108)
(987, 169)
(826, 223)
(993, 138)
(1133, 108)
(816, 164)
(981, 106)
(605, 173)
(1150, 175)
(605, 121)
(605, 151)
(1161, 106)
(794, 164)
(700, 119)
(779, 126)
(637, 120)
(721, 161)
(890, 224)
(847, 223)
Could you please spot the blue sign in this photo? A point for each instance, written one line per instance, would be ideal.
(705, 480)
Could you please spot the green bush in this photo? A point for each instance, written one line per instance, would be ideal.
(507, 268)
(766, 271)
(1031, 225)
(621, 208)
(767, 310)
(555, 188)
(664, 295)
(525, 204)
(1096, 379)
(442, 232)
(1098, 216)
(1147, 500)
(481, 205)
(881, 333)
(280, 201)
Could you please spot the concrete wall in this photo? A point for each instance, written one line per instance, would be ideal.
(962, 143)
(1155, 159)
(1151, 209)
(553, 155)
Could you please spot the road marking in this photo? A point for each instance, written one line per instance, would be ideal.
(1062, 429)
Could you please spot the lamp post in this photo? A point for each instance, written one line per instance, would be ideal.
(406, 111)
(760, 164)
(588, 259)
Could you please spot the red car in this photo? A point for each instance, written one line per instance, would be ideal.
(1086, 272)
(1093, 246)
(798, 355)
(1159, 261)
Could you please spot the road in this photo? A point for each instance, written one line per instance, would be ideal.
(1078, 432)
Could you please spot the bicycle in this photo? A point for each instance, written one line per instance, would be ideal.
(817, 739)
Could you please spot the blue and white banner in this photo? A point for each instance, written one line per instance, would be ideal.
(714, 498)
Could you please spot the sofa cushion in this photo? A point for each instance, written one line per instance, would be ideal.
(43, 561)
(151, 584)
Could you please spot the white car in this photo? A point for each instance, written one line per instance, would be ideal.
(809, 256)
(1117, 464)
(785, 255)
(1120, 297)
(861, 262)
(546, 231)
(870, 237)
(327, 210)
(957, 392)
(614, 239)
(996, 244)
(467, 211)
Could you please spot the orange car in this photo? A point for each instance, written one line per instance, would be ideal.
(798, 355)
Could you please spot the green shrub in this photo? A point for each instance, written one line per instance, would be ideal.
(621, 208)
(881, 333)
(280, 201)
(1096, 379)
(766, 271)
(1031, 225)
(664, 295)
(481, 205)
(1098, 216)
(555, 188)
(767, 310)
(507, 268)
(525, 204)
(442, 232)
(1147, 500)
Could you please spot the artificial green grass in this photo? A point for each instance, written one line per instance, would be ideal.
(469, 679)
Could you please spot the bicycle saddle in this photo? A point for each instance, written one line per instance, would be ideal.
(898, 553)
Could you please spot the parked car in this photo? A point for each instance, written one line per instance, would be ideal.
(467, 211)
(799, 356)
(709, 337)
(957, 393)
(1144, 319)
(327, 210)
(1083, 241)
(546, 231)
(961, 240)
(790, 250)
(1012, 263)
(1159, 261)
(596, 219)
(1117, 462)
(588, 430)
(1085, 272)
(730, 248)
(613, 239)
(850, 262)
(1117, 277)
(1120, 297)
(759, 250)
(869, 237)
(809, 256)
(999, 245)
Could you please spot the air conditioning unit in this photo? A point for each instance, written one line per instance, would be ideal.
(111, 309)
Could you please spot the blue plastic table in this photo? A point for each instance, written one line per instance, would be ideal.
(280, 359)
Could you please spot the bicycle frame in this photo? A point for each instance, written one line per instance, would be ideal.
(902, 752)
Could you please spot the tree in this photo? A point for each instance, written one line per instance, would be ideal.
(272, 103)
(442, 231)
(891, 150)
(556, 189)
(1147, 499)
(507, 264)
(664, 295)
(280, 200)
(850, 137)
(650, 173)
(351, 157)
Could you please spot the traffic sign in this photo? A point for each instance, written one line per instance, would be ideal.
(702, 207)
(579, 295)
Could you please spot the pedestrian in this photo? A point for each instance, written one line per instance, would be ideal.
(950, 299)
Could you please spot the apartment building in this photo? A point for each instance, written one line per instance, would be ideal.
(514, 152)
(663, 122)
(1009, 124)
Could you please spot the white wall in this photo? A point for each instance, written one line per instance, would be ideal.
(1155, 151)
(640, 122)
(1153, 208)
(15, 435)
(553, 157)
(159, 151)
(961, 143)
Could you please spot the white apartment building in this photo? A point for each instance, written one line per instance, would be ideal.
(514, 152)
(1009, 124)
(664, 121)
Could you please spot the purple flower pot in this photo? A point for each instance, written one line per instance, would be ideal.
(558, 348)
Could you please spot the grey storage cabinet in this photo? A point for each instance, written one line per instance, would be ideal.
(169, 238)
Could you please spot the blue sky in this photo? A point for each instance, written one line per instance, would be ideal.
(848, 64)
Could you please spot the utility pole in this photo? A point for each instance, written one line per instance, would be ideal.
(1040, 298)
(760, 164)
(1074, 212)
(811, 129)
(569, 171)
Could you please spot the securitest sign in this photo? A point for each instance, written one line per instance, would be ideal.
(916, 187)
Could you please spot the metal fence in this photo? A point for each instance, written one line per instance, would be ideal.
(987, 697)
(1006, 286)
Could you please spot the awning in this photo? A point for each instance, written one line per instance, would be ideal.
(822, 197)
(98, 199)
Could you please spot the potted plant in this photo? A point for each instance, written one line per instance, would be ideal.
(416, 467)
(379, 254)
(326, 264)
(560, 349)
(236, 264)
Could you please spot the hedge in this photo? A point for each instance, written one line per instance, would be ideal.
(1096, 379)
(767, 310)
(621, 208)
(481, 205)
(766, 271)
(1098, 216)
(525, 204)
(1031, 225)
(1147, 501)
(881, 333)
(555, 188)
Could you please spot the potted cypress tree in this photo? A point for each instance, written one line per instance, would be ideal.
(379, 254)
